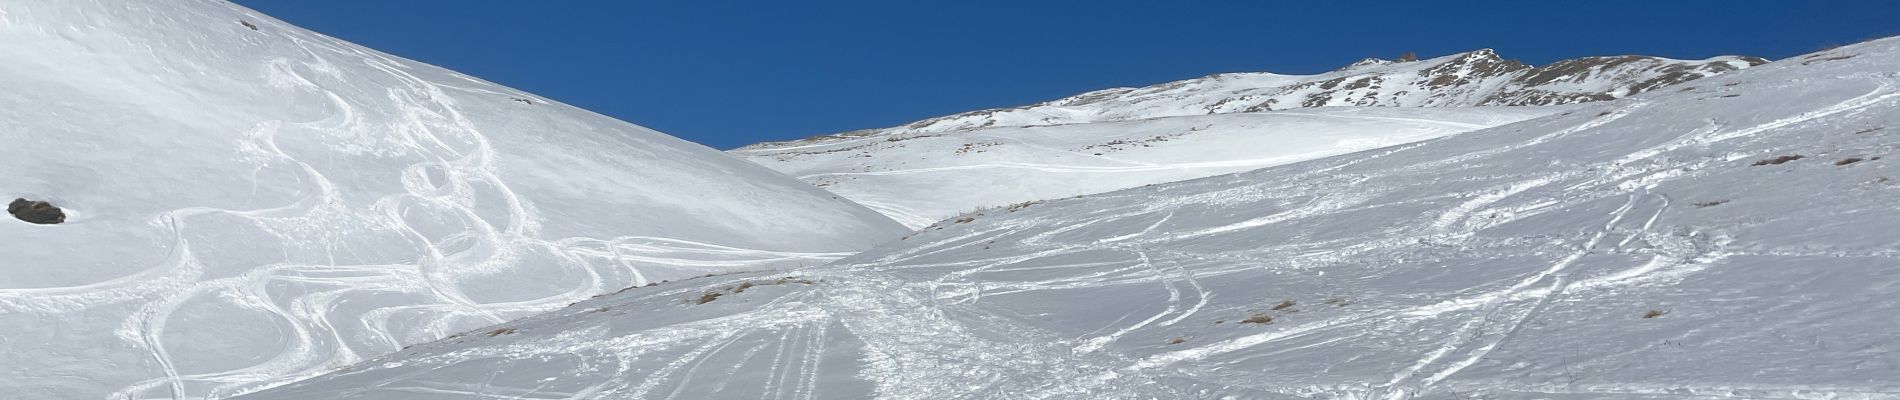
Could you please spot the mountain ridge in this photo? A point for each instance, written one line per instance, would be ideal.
(1562, 82)
(1117, 138)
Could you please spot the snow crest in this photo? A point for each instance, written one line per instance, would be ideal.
(251, 203)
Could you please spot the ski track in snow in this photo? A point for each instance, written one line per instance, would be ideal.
(456, 175)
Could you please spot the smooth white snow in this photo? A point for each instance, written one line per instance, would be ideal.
(252, 206)
(921, 178)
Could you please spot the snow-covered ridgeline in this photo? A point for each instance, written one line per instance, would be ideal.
(248, 202)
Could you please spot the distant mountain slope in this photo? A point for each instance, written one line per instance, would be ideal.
(1121, 138)
(919, 179)
(1733, 238)
(246, 201)
(1476, 78)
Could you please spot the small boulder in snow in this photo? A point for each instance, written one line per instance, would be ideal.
(38, 212)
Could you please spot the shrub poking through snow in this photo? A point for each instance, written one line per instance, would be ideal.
(1258, 319)
(715, 294)
(1654, 314)
(501, 331)
(1284, 305)
(1177, 340)
(1849, 160)
(1707, 204)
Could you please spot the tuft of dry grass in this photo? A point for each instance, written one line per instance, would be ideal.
(966, 220)
(1868, 130)
(1813, 58)
(1258, 319)
(1654, 314)
(1283, 305)
(1849, 160)
(1707, 204)
(1780, 160)
(790, 279)
(1177, 340)
(712, 295)
(501, 331)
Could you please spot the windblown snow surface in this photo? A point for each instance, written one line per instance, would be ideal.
(1626, 249)
(1126, 137)
(918, 179)
(252, 205)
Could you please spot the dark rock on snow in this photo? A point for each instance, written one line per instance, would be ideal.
(38, 212)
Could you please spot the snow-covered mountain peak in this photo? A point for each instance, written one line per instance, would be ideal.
(1367, 62)
(1375, 61)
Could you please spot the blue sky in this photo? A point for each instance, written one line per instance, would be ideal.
(730, 73)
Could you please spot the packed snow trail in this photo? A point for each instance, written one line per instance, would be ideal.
(249, 206)
(1660, 246)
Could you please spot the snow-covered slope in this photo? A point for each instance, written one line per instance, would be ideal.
(249, 202)
(919, 179)
(1668, 245)
(1121, 138)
